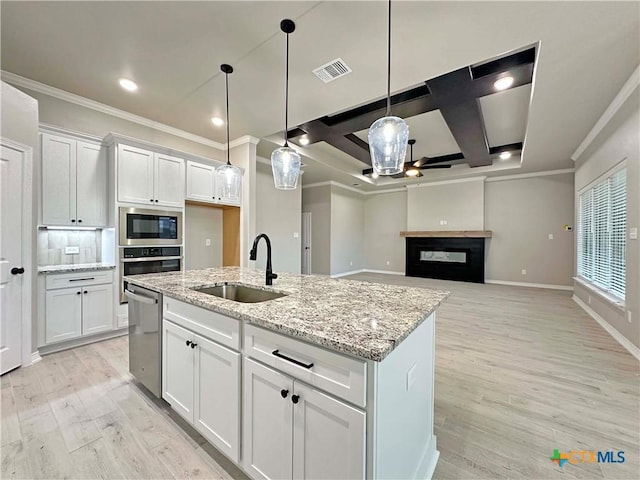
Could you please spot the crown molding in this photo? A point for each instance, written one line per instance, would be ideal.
(347, 187)
(447, 182)
(108, 110)
(625, 92)
(241, 141)
(54, 129)
(545, 173)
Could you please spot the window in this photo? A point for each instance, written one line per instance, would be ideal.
(602, 222)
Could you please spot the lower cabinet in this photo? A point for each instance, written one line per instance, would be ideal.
(201, 381)
(291, 430)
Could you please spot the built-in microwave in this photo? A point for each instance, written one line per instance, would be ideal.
(142, 226)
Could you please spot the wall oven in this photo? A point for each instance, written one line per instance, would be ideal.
(140, 226)
(140, 260)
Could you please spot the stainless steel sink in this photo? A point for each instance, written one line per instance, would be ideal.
(240, 293)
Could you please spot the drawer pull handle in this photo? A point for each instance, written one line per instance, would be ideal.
(292, 360)
(81, 279)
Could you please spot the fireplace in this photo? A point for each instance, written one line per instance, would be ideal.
(455, 257)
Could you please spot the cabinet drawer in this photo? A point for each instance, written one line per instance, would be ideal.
(214, 326)
(66, 280)
(332, 372)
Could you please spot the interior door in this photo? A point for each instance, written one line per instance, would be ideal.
(306, 243)
(11, 279)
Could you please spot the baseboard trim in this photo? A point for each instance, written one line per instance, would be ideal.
(78, 342)
(386, 272)
(567, 288)
(344, 274)
(35, 357)
(611, 330)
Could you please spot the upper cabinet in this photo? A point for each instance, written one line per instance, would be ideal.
(149, 178)
(74, 182)
(201, 184)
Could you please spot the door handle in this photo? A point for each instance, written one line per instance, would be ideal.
(141, 298)
(17, 271)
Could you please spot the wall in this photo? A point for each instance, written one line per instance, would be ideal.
(52, 243)
(317, 201)
(460, 204)
(616, 142)
(278, 214)
(202, 223)
(19, 122)
(347, 231)
(385, 216)
(522, 213)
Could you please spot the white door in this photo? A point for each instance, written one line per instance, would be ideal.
(169, 181)
(217, 396)
(63, 312)
(135, 175)
(178, 369)
(328, 437)
(91, 185)
(58, 180)
(306, 243)
(200, 182)
(97, 309)
(11, 166)
(267, 422)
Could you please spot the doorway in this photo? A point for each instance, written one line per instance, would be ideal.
(306, 243)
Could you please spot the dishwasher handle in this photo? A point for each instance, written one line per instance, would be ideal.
(140, 298)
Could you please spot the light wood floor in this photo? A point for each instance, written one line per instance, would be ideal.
(519, 372)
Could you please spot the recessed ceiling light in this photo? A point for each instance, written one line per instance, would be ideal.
(374, 175)
(412, 172)
(217, 121)
(128, 85)
(304, 140)
(503, 83)
(505, 155)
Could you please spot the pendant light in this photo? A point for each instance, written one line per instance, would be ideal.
(285, 161)
(228, 177)
(388, 135)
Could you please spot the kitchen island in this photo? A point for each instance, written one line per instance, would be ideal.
(333, 379)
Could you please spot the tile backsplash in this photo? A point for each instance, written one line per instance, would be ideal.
(52, 243)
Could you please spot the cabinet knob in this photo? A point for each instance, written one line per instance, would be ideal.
(73, 220)
(284, 393)
(85, 292)
(295, 398)
(79, 221)
(156, 200)
(193, 345)
(188, 342)
(151, 199)
(78, 293)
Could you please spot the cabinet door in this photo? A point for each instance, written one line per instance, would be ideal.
(169, 181)
(200, 182)
(58, 180)
(328, 437)
(217, 396)
(178, 369)
(91, 185)
(267, 422)
(63, 314)
(97, 309)
(135, 175)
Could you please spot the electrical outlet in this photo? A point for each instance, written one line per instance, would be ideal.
(551, 236)
(296, 235)
(524, 271)
(445, 222)
(388, 262)
(411, 376)
(207, 242)
(350, 263)
(633, 233)
(629, 316)
(71, 250)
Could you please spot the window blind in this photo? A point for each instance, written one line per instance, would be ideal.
(602, 222)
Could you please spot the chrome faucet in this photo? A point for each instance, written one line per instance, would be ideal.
(253, 255)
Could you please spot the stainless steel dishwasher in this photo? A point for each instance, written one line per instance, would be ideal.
(145, 336)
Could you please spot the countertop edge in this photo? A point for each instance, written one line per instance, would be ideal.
(45, 269)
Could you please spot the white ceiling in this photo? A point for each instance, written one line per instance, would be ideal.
(174, 50)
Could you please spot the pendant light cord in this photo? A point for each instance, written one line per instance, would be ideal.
(389, 64)
(286, 98)
(226, 89)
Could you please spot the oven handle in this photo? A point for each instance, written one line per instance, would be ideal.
(140, 298)
(148, 259)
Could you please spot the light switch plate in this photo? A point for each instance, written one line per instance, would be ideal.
(71, 250)
(207, 242)
(633, 233)
(296, 235)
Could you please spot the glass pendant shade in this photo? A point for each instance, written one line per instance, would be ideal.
(228, 183)
(285, 163)
(388, 137)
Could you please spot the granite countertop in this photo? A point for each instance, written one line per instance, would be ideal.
(79, 267)
(366, 320)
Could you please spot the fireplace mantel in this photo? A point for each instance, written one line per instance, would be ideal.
(449, 234)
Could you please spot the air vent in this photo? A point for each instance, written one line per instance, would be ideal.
(330, 71)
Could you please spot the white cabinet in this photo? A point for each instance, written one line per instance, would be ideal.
(201, 184)
(74, 182)
(201, 381)
(292, 430)
(149, 178)
(77, 304)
